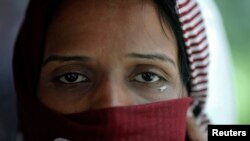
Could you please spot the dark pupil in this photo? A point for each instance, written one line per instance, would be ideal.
(148, 76)
(71, 77)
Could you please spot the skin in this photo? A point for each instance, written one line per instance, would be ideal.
(111, 45)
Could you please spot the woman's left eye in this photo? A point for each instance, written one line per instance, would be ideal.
(147, 77)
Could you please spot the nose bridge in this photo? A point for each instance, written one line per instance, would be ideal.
(111, 93)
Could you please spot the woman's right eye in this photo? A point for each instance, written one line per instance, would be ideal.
(72, 78)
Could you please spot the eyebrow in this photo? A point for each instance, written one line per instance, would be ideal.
(59, 58)
(161, 57)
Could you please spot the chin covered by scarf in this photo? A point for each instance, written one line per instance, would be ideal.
(159, 121)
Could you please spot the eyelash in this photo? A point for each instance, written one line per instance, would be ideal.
(159, 79)
(62, 78)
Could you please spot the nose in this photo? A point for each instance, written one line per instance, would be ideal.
(111, 93)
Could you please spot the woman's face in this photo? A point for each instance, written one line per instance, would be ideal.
(102, 53)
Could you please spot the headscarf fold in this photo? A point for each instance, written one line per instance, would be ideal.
(195, 37)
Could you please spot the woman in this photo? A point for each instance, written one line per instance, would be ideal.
(111, 70)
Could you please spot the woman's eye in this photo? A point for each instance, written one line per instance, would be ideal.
(72, 77)
(147, 77)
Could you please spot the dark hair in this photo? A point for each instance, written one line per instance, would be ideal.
(168, 15)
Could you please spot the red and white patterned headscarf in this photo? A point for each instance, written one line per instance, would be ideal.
(196, 44)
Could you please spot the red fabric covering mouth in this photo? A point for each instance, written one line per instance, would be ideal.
(159, 121)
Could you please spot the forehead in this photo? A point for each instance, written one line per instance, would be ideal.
(109, 24)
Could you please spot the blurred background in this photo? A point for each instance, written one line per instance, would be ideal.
(11, 14)
(236, 16)
(235, 29)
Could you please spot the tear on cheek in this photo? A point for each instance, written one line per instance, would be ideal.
(162, 88)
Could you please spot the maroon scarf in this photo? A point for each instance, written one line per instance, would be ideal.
(159, 121)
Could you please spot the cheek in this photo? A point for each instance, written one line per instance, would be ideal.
(73, 101)
(150, 94)
(62, 99)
